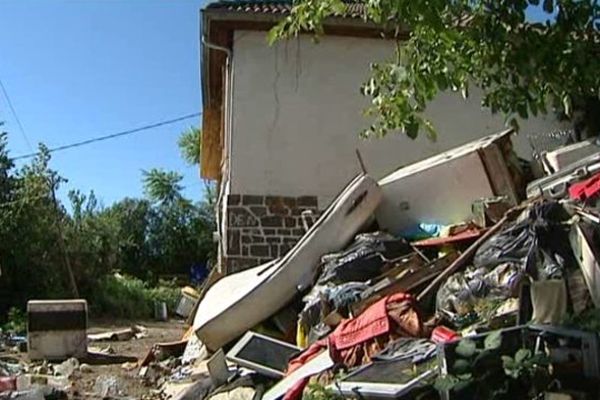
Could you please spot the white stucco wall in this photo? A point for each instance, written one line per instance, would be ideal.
(297, 112)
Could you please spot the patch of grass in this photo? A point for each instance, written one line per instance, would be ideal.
(128, 297)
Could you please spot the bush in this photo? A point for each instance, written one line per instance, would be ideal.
(128, 297)
(17, 321)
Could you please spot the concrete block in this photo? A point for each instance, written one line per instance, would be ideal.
(57, 329)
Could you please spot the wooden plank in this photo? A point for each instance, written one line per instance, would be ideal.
(212, 147)
(408, 279)
(498, 173)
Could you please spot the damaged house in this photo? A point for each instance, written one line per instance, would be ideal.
(281, 123)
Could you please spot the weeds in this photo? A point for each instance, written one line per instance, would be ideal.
(127, 297)
(317, 391)
(17, 321)
(116, 296)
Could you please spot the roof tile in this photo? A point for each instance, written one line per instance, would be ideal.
(281, 7)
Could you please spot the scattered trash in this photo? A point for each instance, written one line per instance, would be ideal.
(160, 311)
(238, 302)
(135, 332)
(193, 350)
(363, 259)
(262, 354)
(8, 383)
(436, 281)
(187, 302)
(67, 367)
(107, 386)
(129, 366)
(85, 368)
(34, 394)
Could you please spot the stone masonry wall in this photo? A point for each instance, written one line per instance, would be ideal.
(262, 228)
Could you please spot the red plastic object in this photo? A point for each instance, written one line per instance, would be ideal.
(441, 334)
(8, 383)
(585, 189)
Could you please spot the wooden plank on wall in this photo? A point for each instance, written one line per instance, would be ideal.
(498, 173)
(210, 166)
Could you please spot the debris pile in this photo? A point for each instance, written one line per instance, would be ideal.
(450, 278)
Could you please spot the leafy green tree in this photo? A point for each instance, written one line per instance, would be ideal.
(133, 217)
(32, 264)
(162, 186)
(180, 232)
(145, 238)
(523, 67)
(190, 145)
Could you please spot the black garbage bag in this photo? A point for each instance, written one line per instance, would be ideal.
(322, 300)
(537, 241)
(363, 260)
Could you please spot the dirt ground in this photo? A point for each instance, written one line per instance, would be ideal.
(129, 384)
(128, 381)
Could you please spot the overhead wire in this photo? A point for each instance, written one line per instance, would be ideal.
(112, 135)
(98, 139)
(15, 116)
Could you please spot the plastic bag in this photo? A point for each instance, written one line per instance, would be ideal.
(463, 292)
(363, 260)
(538, 242)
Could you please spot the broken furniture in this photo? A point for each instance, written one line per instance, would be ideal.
(442, 188)
(57, 329)
(586, 254)
(556, 186)
(555, 160)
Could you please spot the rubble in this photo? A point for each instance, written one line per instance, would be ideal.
(481, 261)
(135, 332)
(474, 294)
(107, 386)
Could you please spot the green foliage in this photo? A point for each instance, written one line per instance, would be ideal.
(588, 320)
(128, 297)
(522, 67)
(162, 186)
(524, 364)
(17, 321)
(493, 341)
(190, 145)
(487, 374)
(145, 238)
(317, 391)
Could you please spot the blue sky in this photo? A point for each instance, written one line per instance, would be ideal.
(80, 69)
